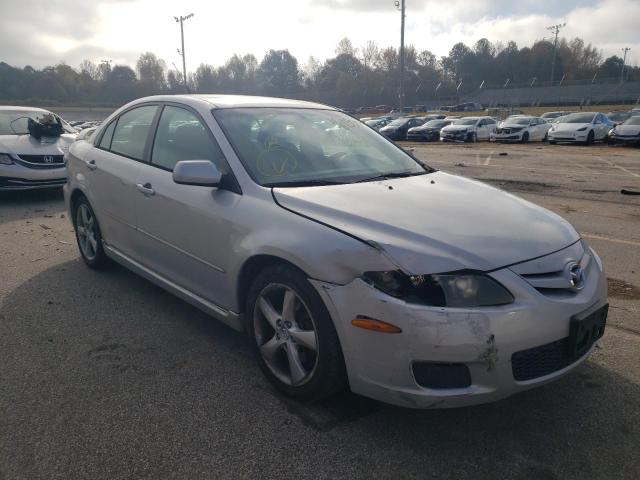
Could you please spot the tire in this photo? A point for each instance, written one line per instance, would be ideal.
(590, 138)
(472, 137)
(546, 137)
(525, 137)
(88, 234)
(552, 142)
(282, 341)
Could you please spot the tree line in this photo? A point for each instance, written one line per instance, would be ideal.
(368, 75)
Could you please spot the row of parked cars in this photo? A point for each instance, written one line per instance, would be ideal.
(552, 127)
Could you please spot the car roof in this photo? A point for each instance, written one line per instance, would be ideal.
(236, 101)
(21, 109)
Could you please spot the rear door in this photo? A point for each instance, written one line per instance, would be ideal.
(111, 170)
(187, 232)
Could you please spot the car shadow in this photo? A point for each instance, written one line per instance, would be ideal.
(108, 352)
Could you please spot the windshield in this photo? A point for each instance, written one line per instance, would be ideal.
(292, 147)
(518, 120)
(633, 121)
(16, 122)
(465, 121)
(578, 118)
(437, 123)
(398, 122)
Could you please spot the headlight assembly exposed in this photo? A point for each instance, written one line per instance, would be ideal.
(5, 159)
(456, 290)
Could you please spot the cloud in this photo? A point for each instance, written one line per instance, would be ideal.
(43, 33)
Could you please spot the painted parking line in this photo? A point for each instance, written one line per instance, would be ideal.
(611, 239)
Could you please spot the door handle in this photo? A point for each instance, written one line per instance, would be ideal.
(91, 165)
(146, 189)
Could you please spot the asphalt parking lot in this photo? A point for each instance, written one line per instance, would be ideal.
(103, 375)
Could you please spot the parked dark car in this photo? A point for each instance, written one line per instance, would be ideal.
(427, 132)
(397, 130)
(628, 132)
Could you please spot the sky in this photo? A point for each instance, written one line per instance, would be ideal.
(46, 32)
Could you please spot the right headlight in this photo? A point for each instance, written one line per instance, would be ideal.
(456, 289)
(5, 159)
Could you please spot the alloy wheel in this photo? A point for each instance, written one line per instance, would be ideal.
(286, 334)
(86, 230)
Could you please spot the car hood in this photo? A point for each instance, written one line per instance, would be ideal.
(456, 128)
(628, 129)
(569, 127)
(28, 145)
(436, 222)
(422, 128)
(389, 128)
(512, 125)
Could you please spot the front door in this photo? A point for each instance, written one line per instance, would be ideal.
(186, 231)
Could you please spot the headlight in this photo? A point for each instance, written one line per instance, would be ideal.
(458, 290)
(582, 129)
(5, 159)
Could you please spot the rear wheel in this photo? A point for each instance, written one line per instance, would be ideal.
(293, 335)
(88, 234)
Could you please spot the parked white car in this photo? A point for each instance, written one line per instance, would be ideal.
(26, 161)
(582, 127)
(469, 129)
(347, 261)
(521, 128)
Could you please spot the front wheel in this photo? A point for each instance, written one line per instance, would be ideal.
(472, 137)
(525, 137)
(590, 138)
(296, 344)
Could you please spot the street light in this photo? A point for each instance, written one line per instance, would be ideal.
(400, 6)
(181, 20)
(624, 61)
(555, 29)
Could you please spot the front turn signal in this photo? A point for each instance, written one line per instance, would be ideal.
(375, 325)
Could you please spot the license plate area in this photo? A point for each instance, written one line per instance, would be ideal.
(585, 330)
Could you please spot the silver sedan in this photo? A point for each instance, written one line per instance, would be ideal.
(347, 261)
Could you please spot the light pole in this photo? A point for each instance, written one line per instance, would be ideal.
(400, 6)
(181, 20)
(555, 29)
(624, 61)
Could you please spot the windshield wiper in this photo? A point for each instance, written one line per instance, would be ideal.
(304, 183)
(385, 176)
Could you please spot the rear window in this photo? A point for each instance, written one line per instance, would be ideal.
(132, 130)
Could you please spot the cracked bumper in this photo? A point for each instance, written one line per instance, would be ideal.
(379, 365)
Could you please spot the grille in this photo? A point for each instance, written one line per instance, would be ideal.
(540, 361)
(43, 159)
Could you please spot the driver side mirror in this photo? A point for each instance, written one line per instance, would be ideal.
(202, 173)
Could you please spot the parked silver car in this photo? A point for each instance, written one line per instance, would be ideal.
(31, 154)
(347, 261)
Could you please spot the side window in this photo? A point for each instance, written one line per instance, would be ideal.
(482, 123)
(132, 130)
(105, 143)
(181, 136)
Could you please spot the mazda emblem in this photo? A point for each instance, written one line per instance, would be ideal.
(575, 275)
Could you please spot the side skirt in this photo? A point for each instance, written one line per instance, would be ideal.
(232, 319)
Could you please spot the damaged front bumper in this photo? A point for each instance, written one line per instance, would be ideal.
(477, 342)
